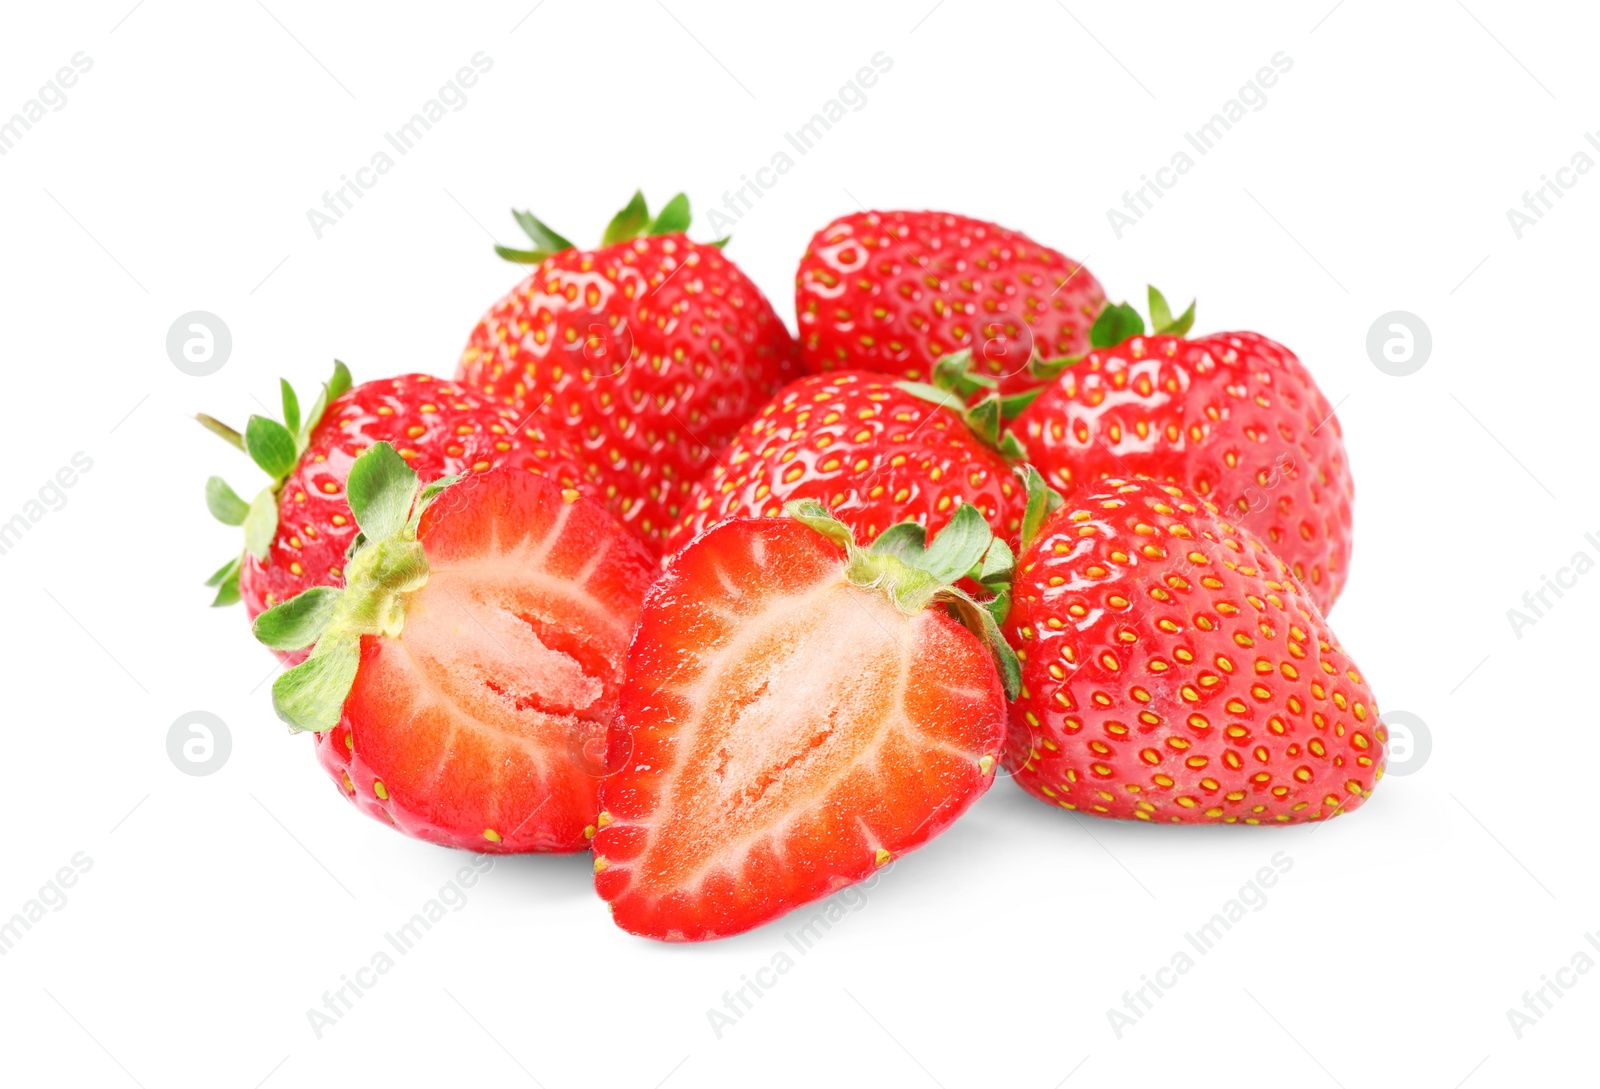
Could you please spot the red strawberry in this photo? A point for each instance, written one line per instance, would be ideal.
(798, 711)
(875, 450)
(463, 680)
(298, 528)
(1175, 670)
(647, 353)
(895, 291)
(1233, 415)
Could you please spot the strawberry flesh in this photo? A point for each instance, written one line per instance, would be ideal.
(482, 725)
(782, 734)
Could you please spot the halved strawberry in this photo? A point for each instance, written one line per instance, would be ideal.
(298, 527)
(798, 711)
(464, 678)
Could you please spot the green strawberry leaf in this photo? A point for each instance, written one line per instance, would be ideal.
(905, 541)
(298, 622)
(629, 222)
(543, 236)
(1013, 404)
(270, 446)
(227, 586)
(721, 242)
(999, 562)
(1160, 313)
(380, 489)
(430, 492)
(953, 372)
(521, 257)
(332, 390)
(340, 383)
(1050, 369)
(1042, 500)
(999, 606)
(261, 524)
(934, 395)
(959, 545)
(979, 620)
(1117, 322)
(220, 575)
(224, 503)
(217, 427)
(311, 695)
(819, 518)
(984, 419)
(291, 408)
(1161, 320)
(1011, 447)
(673, 217)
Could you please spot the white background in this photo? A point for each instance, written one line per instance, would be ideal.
(1377, 177)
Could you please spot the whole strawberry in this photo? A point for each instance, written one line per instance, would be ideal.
(298, 528)
(1175, 670)
(1233, 415)
(876, 451)
(895, 291)
(646, 353)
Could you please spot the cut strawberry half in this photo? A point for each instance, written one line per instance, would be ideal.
(464, 679)
(798, 712)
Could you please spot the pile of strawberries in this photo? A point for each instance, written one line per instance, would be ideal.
(750, 616)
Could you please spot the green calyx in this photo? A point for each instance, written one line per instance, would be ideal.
(915, 573)
(954, 385)
(385, 567)
(1042, 501)
(634, 221)
(1118, 322)
(275, 448)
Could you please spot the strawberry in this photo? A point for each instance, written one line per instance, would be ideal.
(1233, 415)
(1175, 670)
(875, 450)
(464, 676)
(798, 711)
(298, 528)
(647, 353)
(895, 291)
